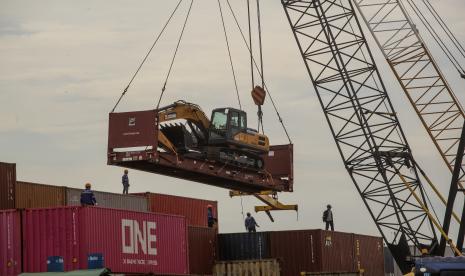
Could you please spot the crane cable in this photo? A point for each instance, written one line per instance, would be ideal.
(175, 53)
(445, 28)
(147, 55)
(229, 53)
(259, 72)
(262, 75)
(436, 37)
(250, 43)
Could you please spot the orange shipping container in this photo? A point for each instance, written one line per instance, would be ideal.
(195, 210)
(33, 195)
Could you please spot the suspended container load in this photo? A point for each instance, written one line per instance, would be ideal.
(139, 140)
(110, 200)
(7, 185)
(195, 210)
(129, 241)
(10, 243)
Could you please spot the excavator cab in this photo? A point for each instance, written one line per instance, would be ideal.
(228, 130)
(224, 124)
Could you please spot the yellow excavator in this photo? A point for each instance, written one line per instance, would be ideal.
(186, 130)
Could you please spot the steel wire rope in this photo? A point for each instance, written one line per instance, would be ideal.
(250, 43)
(260, 47)
(444, 26)
(147, 55)
(435, 36)
(175, 54)
(256, 66)
(229, 53)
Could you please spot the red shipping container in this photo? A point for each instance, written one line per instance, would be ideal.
(10, 241)
(202, 250)
(7, 185)
(195, 210)
(369, 255)
(131, 242)
(312, 251)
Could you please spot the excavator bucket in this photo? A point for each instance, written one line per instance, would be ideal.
(133, 143)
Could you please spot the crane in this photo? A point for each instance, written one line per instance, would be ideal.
(364, 124)
(361, 118)
(423, 83)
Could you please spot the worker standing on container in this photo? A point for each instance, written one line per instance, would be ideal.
(250, 223)
(210, 217)
(328, 217)
(87, 196)
(125, 181)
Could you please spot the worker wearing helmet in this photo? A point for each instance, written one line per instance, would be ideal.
(211, 220)
(87, 196)
(328, 217)
(125, 181)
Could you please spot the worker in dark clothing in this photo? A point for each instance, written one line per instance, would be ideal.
(87, 196)
(328, 218)
(210, 216)
(250, 223)
(125, 181)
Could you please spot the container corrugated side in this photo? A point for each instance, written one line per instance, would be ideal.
(250, 268)
(10, 241)
(195, 210)
(298, 250)
(369, 255)
(51, 232)
(131, 242)
(34, 195)
(337, 251)
(244, 246)
(109, 200)
(202, 249)
(312, 251)
(7, 185)
(164, 250)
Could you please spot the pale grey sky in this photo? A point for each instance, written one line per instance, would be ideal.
(64, 63)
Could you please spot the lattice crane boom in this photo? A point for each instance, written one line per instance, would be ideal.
(422, 81)
(363, 121)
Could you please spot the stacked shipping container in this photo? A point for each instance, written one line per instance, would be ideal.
(109, 200)
(10, 241)
(131, 242)
(202, 250)
(308, 251)
(7, 185)
(195, 210)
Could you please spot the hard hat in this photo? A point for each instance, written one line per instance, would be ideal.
(209, 206)
(88, 185)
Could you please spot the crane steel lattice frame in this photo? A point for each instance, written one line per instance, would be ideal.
(422, 81)
(361, 117)
(417, 72)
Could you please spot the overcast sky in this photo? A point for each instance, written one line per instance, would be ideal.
(64, 63)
